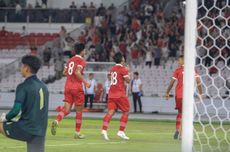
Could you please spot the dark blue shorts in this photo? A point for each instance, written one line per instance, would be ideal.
(13, 130)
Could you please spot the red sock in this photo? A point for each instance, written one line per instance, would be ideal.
(78, 121)
(123, 121)
(63, 112)
(178, 121)
(106, 121)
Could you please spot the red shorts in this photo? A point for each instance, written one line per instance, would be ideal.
(74, 96)
(178, 103)
(119, 103)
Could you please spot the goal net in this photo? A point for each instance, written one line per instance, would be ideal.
(211, 121)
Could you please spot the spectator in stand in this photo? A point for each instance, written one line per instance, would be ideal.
(90, 92)
(37, 5)
(44, 3)
(62, 32)
(33, 50)
(107, 86)
(92, 6)
(73, 5)
(135, 55)
(148, 57)
(113, 30)
(148, 8)
(3, 32)
(123, 48)
(83, 6)
(111, 13)
(173, 50)
(18, 8)
(120, 19)
(68, 45)
(135, 4)
(47, 56)
(59, 65)
(82, 38)
(98, 20)
(29, 6)
(111, 7)
(157, 56)
(24, 31)
(135, 24)
(101, 10)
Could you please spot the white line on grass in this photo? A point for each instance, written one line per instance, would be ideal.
(63, 145)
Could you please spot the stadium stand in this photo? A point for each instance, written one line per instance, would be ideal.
(129, 30)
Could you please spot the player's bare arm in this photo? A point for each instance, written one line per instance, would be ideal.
(199, 87)
(80, 77)
(169, 88)
(65, 71)
(127, 78)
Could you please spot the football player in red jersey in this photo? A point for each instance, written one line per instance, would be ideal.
(73, 94)
(178, 76)
(117, 97)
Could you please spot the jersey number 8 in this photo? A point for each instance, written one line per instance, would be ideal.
(113, 78)
(70, 68)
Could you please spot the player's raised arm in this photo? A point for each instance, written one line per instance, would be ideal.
(169, 88)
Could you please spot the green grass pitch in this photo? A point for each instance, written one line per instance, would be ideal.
(145, 136)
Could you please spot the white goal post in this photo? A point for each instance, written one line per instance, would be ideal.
(189, 73)
(206, 124)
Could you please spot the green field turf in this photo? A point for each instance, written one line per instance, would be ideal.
(145, 136)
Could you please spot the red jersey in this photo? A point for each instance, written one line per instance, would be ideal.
(117, 85)
(178, 75)
(72, 81)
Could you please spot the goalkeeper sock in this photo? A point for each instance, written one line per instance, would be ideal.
(78, 121)
(106, 121)
(123, 121)
(178, 121)
(63, 112)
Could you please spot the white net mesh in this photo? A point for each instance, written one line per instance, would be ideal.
(212, 116)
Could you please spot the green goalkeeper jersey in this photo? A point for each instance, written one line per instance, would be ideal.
(34, 98)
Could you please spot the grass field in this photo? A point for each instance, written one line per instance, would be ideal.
(145, 136)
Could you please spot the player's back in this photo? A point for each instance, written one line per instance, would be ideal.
(71, 79)
(178, 75)
(34, 112)
(117, 87)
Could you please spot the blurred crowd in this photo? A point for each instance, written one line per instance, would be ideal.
(140, 31)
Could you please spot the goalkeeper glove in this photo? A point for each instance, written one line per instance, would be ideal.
(3, 117)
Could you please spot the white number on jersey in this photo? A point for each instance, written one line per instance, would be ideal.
(70, 68)
(113, 78)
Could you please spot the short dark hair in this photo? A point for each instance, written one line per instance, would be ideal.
(33, 62)
(118, 57)
(181, 56)
(136, 73)
(78, 48)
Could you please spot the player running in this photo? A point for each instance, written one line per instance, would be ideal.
(178, 75)
(73, 94)
(117, 98)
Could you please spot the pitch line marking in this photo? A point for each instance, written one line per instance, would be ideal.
(63, 145)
